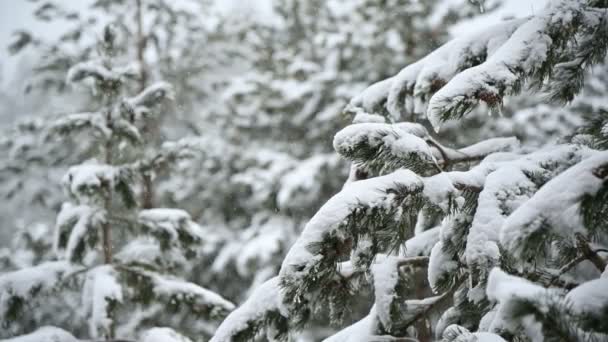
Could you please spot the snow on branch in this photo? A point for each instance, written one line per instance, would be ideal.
(512, 293)
(386, 279)
(76, 227)
(105, 125)
(261, 309)
(162, 335)
(173, 292)
(410, 89)
(311, 260)
(382, 148)
(44, 334)
(97, 70)
(360, 331)
(79, 121)
(152, 95)
(491, 191)
(456, 333)
(589, 302)
(172, 227)
(489, 65)
(18, 287)
(90, 182)
(367, 216)
(101, 292)
(556, 207)
(546, 312)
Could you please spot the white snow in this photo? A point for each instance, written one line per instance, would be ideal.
(484, 148)
(42, 277)
(525, 50)
(170, 221)
(85, 219)
(386, 276)
(421, 244)
(440, 264)
(362, 117)
(166, 286)
(80, 179)
(402, 140)
(590, 298)
(162, 335)
(101, 287)
(152, 95)
(45, 334)
(95, 120)
(332, 214)
(510, 291)
(361, 331)
(501, 189)
(263, 300)
(558, 202)
(147, 251)
(97, 70)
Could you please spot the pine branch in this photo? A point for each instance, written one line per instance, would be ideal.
(588, 253)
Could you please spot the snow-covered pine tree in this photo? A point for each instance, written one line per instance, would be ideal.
(276, 165)
(512, 241)
(127, 264)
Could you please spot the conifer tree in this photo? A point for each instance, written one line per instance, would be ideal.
(128, 265)
(511, 241)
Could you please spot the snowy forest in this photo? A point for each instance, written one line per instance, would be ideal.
(304, 170)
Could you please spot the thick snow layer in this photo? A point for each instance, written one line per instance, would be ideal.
(95, 120)
(386, 276)
(84, 220)
(493, 145)
(168, 286)
(504, 188)
(80, 179)
(510, 292)
(43, 277)
(152, 95)
(401, 138)
(419, 79)
(162, 335)
(525, 51)
(371, 192)
(147, 251)
(361, 331)
(372, 97)
(439, 189)
(45, 334)
(170, 222)
(101, 288)
(590, 298)
(164, 215)
(96, 69)
(362, 117)
(263, 300)
(440, 263)
(421, 244)
(557, 202)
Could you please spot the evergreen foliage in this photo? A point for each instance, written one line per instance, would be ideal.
(117, 255)
(536, 214)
